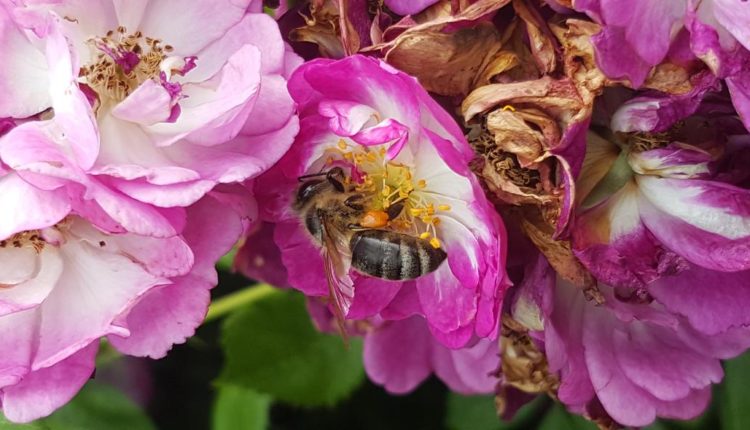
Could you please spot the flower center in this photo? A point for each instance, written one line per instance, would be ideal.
(122, 61)
(641, 142)
(386, 184)
(31, 238)
(646, 141)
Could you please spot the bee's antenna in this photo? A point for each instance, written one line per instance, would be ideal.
(311, 175)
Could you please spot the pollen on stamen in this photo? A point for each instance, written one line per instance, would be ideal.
(435, 242)
(444, 207)
(425, 235)
(122, 61)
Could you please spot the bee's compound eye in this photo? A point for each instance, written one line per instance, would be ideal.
(307, 190)
(336, 172)
(336, 177)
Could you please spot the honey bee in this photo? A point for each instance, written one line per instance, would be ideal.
(349, 235)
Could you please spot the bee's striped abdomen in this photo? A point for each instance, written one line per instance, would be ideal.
(394, 256)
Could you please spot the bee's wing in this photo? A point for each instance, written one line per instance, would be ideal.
(340, 284)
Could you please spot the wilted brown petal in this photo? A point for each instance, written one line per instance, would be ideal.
(322, 28)
(558, 252)
(541, 40)
(579, 65)
(501, 62)
(524, 366)
(669, 78)
(445, 63)
(338, 27)
(513, 134)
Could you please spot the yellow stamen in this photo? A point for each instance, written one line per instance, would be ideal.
(435, 242)
(424, 235)
(509, 107)
(342, 145)
(444, 207)
(415, 211)
(421, 183)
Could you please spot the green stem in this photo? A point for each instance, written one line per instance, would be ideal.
(224, 305)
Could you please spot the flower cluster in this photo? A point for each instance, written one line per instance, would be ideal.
(612, 137)
(125, 136)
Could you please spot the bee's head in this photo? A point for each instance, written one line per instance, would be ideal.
(317, 182)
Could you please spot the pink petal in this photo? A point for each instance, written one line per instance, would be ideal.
(17, 196)
(87, 286)
(665, 368)
(397, 355)
(41, 275)
(624, 401)
(371, 295)
(712, 301)
(469, 370)
(734, 15)
(704, 221)
(259, 30)
(173, 21)
(297, 245)
(273, 108)
(447, 304)
(170, 314)
(739, 89)
(260, 258)
(24, 76)
(149, 104)
(214, 111)
(404, 304)
(43, 391)
(346, 118)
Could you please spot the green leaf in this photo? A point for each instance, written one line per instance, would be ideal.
(240, 408)
(734, 403)
(658, 425)
(559, 419)
(478, 413)
(472, 413)
(272, 347)
(97, 406)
